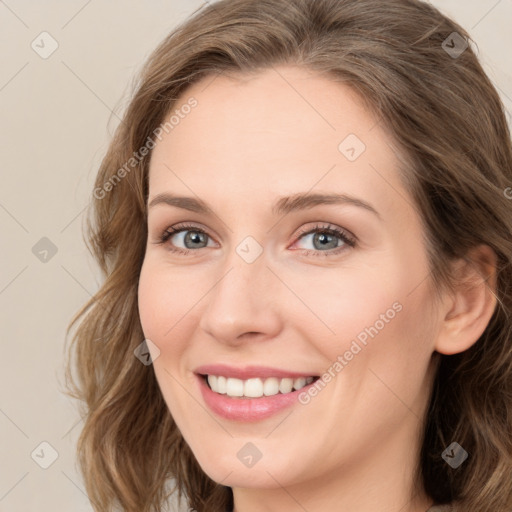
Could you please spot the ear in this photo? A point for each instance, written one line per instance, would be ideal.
(470, 306)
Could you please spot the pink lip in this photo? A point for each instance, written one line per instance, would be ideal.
(249, 372)
(247, 409)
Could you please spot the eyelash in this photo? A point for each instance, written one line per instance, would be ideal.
(329, 229)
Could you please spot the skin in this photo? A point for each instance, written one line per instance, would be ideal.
(251, 140)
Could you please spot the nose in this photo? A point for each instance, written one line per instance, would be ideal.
(244, 302)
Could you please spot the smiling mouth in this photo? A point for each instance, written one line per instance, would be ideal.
(256, 387)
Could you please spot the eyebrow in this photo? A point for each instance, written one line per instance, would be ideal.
(283, 205)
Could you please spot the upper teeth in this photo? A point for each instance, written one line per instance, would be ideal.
(255, 388)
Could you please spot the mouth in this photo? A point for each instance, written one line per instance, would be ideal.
(256, 387)
(251, 393)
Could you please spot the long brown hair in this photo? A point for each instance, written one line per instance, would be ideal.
(449, 123)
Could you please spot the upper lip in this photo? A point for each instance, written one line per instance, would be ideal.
(249, 372)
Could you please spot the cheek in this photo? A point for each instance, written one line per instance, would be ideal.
(164, 297)
(150, 295)
(166, 318)
(379, 317)
(347, 303)
(160, 307)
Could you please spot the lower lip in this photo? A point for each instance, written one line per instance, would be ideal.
(248, 409)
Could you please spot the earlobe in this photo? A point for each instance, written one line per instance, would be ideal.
(471, 304)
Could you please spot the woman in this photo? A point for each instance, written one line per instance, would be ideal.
(304, 225)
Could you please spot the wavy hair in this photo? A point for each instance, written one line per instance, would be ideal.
(449, 123)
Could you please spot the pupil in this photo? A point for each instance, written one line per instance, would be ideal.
(324, 239)
(195, 237)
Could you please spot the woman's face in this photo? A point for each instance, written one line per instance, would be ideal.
(270, 290)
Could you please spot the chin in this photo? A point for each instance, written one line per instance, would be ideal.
(230, 471)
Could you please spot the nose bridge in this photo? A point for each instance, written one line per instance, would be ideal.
(243, 298)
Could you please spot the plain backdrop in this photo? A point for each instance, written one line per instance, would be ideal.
(58, 113)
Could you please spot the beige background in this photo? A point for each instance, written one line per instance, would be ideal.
(57, 116)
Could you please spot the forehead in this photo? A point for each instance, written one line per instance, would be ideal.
(275, 132)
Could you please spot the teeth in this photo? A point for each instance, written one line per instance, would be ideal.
(286, 385)
(235, 387)
(271, 386)
(221, 385)
(256, 387)
(253, 388)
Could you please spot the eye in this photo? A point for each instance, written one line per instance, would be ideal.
(192, 236)
(326, 240)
